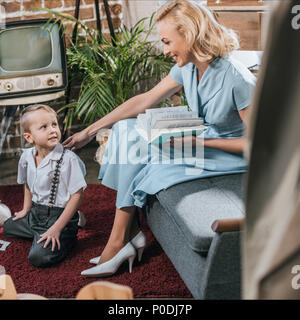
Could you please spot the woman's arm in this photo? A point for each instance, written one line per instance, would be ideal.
(136, 105)
(129, 109)
(230, 145)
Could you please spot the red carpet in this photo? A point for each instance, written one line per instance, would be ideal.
(153, 277)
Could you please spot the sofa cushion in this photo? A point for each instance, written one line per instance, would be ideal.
(196, 204)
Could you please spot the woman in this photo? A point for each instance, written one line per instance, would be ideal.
(216, 86)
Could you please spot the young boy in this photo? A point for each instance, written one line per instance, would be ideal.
(54, 184)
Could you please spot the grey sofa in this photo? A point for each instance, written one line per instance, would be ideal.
(181, 219)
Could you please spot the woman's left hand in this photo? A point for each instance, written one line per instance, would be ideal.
(52, 234)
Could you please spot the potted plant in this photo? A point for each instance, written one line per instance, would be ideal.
(110, 72)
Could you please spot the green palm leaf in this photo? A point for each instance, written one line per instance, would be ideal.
(110, 74)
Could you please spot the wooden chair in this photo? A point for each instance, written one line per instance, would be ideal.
(104, 290)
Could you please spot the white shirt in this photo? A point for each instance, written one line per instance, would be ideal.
(39, 179)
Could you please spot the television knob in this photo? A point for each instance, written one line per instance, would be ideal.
(8, 86)
(50, 82)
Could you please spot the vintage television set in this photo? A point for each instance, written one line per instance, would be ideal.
(32, 62)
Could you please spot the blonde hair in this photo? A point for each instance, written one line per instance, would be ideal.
(205, 37)
(25, 120)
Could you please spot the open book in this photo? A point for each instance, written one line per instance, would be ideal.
(157, 125)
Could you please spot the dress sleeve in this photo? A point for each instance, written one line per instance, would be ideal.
(176, 74)
(75, 175)
(242, 92)
(22, 169)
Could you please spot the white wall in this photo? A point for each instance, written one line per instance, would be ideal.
(134, 10)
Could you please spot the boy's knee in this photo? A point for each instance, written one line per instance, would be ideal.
(38, 258)
(41, 257)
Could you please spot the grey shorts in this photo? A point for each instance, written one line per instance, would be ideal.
(38, 220)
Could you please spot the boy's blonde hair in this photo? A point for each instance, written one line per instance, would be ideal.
(25, 120)
(205, 37)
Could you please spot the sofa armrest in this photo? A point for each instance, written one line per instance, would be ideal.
(227, 225)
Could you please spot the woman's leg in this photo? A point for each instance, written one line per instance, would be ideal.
(125, 227)
(117, 172)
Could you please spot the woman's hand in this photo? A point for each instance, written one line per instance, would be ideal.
(52, 234)
(187, 141)
(77, 140)
(20, 214)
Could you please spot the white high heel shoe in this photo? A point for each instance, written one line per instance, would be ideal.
(111, 266)
(139, 242)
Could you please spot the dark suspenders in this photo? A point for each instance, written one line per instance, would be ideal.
(55, 181)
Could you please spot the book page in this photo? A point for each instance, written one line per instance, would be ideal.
(157, 121)
(167, 109)
(153, 114)
(173, 117)
(177, 123)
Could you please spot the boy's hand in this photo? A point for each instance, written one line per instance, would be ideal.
(52, 234)
(20, 214)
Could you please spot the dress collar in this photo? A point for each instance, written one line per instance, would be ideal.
(55, 154)
(212, 79)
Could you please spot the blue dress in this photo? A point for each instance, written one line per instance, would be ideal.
(225, 88)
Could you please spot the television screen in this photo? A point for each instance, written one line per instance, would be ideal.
(32, 61)
(34, 42)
